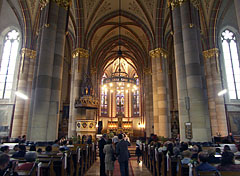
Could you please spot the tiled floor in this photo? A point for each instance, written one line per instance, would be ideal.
(135, 169)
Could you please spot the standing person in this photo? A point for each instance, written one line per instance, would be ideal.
(101, 144)
(109, 153)
(123, 155)
(138, 151)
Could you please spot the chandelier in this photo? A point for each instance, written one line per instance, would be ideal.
(119, 80)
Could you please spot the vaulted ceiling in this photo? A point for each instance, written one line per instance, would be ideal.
(145, 25)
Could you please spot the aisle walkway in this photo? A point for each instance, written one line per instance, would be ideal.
(135, 169)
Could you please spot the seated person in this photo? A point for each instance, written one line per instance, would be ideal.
(32, 148)
(5, 149)
(48, 150)
(211, 158)
(56, 143)
(4, 161)
(186, 157)
(218, 151)
(195, 153)
(30, 157)
(39, 151)
(227, 163)
(20, 153)
(6, 165)
(237, 154)
(65, 145)
(204, 165)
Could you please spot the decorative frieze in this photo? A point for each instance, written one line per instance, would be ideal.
(211, 53)
(25, 52)
(80, 52)
(158, 52)
(62, 3)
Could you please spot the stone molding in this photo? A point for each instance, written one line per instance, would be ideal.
(177, 3)
(211, 53)
(80, 52)
(25, 52)
(158, 52)
(61, 3)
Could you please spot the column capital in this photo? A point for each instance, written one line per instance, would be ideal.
(176, 3)
(211, 53)
(80, 52)
(60, 3)
(158, 52)
(93, 70)
(26, 52)
(147, 71)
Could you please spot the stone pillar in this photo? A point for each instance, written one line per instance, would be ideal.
(160, 101)
(148, 102)
(45, 105)
(192, 102)
(180, 70)
(237, 7)
(79, 71)
(24, 86)
(216, 103)
(198, 106)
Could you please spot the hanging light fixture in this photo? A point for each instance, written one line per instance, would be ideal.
(119, 80)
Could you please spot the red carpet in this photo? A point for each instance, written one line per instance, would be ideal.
(116, 171)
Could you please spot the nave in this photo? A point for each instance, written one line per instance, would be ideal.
(135, 169)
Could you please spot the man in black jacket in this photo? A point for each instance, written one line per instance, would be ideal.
(101, 144)
(123, 155)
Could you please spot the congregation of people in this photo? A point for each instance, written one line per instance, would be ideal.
(113, 148)
(206, 156)
(29, 152)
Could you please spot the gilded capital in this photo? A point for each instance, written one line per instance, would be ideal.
(60, 3)
(147, 71)
(176, 3)
(211, 53)
(158, 52)
(80, 52)
(93, 70)
(25, 52)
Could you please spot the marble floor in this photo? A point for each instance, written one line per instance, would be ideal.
(135, 169)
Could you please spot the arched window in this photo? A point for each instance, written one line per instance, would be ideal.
(104, 99)
(231, 60)
(8, 61)
(135, 101)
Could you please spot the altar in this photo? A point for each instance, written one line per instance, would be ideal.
(121, 125)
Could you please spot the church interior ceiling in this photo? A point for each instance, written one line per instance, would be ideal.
(145, 25)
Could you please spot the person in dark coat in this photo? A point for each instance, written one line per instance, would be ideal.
(101, 145)
(123, 155)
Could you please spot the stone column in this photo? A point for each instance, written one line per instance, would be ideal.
(160, 101)
(24, 86)
(198, 106)
(237, 8)
(180, 70)
(216, 103)
(79, 71)
(148, 102)
(45, 105)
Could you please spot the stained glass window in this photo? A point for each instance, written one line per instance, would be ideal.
(135, 101)
(231, 60)
(8, 61)
(120, 100)
(104, 100)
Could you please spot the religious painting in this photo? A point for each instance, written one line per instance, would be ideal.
(234, 120)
